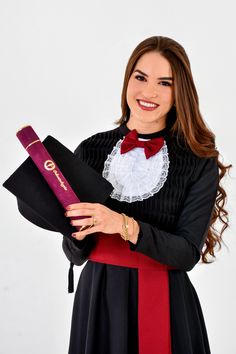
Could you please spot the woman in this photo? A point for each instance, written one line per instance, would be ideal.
(134, 295)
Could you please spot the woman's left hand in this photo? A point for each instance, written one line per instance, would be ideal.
(107, 220)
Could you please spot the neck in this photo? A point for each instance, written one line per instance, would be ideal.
(145, 127)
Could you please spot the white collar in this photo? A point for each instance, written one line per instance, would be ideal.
(134, 177)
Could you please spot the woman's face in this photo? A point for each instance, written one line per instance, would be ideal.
(150, 81)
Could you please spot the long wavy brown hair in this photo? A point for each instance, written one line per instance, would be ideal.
(188, 122)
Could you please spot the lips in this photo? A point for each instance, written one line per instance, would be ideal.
(145, 108)
(148, 101)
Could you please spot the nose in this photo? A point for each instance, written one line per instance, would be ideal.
(150, 91)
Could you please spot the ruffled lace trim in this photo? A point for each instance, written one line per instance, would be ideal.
(134, 177)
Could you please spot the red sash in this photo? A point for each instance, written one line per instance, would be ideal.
(154, 330)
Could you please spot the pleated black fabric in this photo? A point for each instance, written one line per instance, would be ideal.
(173, 227)
(104, 317)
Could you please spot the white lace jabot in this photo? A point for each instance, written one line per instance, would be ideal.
(134, 177)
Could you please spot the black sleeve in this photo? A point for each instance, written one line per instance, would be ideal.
(182, 249)
(77, 251)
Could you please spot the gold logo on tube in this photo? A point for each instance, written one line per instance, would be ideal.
(50, 166)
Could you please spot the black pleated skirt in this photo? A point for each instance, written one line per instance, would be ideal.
(104, 318)
(105, 312)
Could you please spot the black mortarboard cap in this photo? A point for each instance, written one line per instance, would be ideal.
(36, 201)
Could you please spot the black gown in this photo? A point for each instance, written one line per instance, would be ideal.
(173, 227)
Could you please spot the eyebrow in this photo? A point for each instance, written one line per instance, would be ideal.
(159, 78)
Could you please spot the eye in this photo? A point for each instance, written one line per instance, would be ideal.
(137, 76)
(166, 82)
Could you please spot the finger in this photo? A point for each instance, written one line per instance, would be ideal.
(77, 212)
(82, 222)
(80, 205)
(81, 234)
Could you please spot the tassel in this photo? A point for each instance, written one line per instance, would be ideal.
(71, 279)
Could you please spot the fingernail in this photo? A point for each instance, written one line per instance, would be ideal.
(68, 207)
(73, 235)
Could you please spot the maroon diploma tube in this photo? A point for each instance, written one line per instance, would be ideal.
(48, 168)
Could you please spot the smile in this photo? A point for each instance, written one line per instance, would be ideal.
(147, 106)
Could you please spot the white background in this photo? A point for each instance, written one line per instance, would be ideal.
(62, 66)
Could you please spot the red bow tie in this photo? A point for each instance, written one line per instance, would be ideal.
(151, 147)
